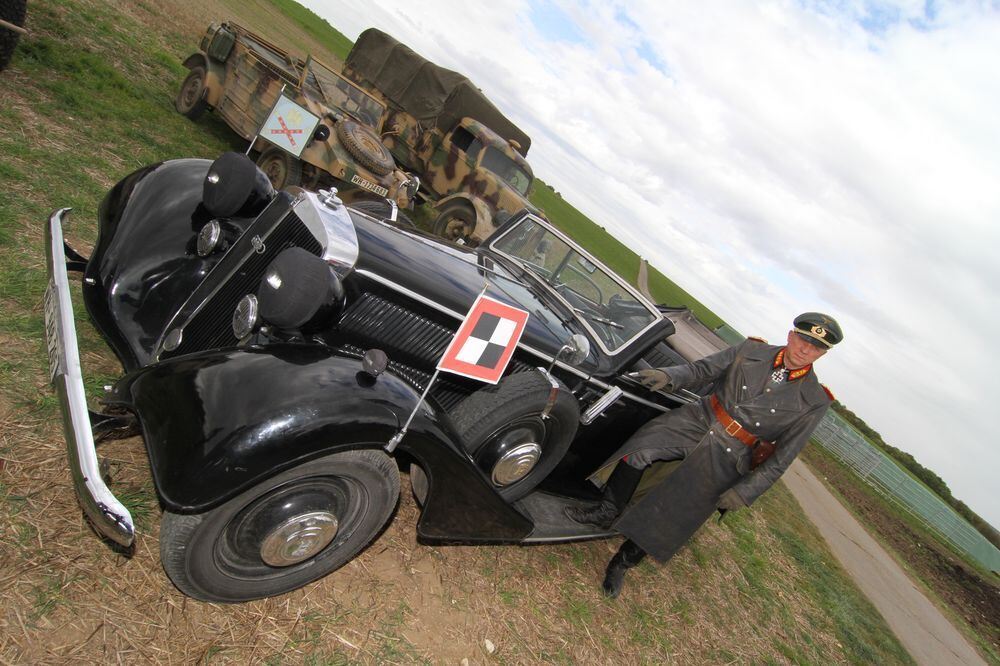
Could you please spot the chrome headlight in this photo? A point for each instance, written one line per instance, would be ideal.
(245, 317)
(208, 238)
(299, 292)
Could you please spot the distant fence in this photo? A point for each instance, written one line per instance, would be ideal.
(888, 478)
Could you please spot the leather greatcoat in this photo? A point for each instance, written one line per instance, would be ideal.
(786, 413)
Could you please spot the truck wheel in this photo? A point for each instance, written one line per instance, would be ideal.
(365, 146)
(380, 208)
(503, 428)
(190, 100)
(281, 168)
(456, 222)
(284, 532)
(12, 11)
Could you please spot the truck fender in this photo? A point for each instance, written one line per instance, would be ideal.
(484, 217)
(219, 422)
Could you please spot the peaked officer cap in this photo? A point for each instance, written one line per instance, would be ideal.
(819, 329)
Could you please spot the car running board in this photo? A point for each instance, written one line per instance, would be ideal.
(545, 510)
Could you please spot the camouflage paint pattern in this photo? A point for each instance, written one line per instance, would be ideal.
(243, 90)
(449, 173)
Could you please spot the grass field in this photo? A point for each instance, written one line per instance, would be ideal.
(87, 99)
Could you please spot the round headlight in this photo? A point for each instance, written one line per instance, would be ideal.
(208, 238)
(299, 292)
(245, 317)
(234, 186)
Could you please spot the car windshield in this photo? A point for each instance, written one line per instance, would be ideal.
(341, 94)
(604, 303)
(494, 160)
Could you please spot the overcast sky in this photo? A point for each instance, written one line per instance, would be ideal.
(774, 158)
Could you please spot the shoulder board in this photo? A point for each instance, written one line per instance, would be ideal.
(754, 337)
(829, 393)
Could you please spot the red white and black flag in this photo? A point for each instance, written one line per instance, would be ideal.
(485, 342)
(481, 349)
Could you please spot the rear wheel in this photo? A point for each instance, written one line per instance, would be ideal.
(281, 168)
(504, 429)
(283, 533)
(456, 222)
(190, 100)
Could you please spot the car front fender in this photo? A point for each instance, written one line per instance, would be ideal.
(217, 423)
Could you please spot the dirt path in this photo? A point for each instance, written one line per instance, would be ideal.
(920, 626)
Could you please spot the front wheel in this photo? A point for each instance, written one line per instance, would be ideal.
(456, 222)
(511, 435)
(12, 11)
(281, 168)
(284, 532)
(190, 100)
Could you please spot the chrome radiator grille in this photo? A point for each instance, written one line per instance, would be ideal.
(398, 331)
(206, 318)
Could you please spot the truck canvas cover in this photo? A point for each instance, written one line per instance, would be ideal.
(430, 93)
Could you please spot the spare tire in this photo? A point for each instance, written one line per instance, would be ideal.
(503, 428)
(12, 11)
(365, 146)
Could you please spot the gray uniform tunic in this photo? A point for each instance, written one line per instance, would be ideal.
(786, 413)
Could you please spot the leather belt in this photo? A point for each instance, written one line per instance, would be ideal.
(731, 425)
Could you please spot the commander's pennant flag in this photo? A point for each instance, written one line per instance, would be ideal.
(481, 349)
(485, 341)
(289, 126)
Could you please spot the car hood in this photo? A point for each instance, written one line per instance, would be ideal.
(450, 278)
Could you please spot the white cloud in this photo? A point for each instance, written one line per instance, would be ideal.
(773, 158)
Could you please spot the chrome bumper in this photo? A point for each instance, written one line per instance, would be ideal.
(107, 514)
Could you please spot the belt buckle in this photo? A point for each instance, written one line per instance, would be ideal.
(732, 433)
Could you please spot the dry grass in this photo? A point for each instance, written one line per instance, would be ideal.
(738, 594)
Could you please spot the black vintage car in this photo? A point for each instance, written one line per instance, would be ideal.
(274, 345)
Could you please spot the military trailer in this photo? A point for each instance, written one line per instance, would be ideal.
(470, 157)
(240, 75)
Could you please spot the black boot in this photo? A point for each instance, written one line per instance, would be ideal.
(629, 555)
(600, 515)
(617, 492)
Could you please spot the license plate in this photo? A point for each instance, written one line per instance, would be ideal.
(368, 185)
(57, 362)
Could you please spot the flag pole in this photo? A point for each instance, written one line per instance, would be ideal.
(391, 445)
(398, 437)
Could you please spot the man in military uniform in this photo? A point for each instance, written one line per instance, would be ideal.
(767, 400)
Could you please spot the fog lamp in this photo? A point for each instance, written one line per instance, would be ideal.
(245, 317)
(208, 238)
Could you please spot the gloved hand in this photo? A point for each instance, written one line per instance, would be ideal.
(730, 501)
(652, 378)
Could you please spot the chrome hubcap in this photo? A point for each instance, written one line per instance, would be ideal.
(516, 463)
(299, 538)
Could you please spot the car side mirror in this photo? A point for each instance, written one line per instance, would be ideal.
(575, 351)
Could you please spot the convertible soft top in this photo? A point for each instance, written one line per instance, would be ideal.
(430, 93)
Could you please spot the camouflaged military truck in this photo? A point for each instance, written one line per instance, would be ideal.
(468, 155)
(239, 75)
